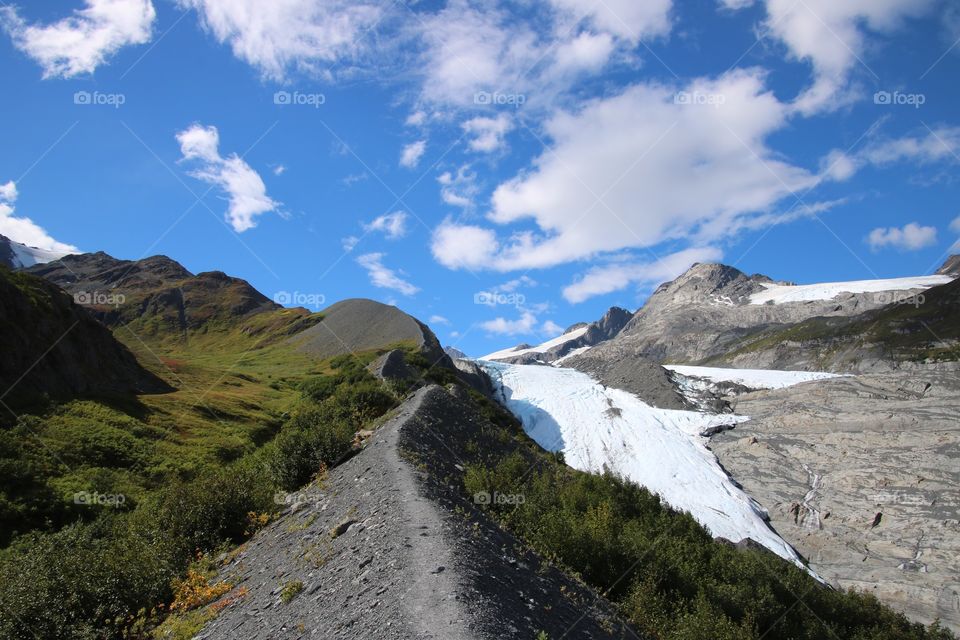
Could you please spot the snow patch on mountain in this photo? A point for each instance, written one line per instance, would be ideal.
(21, 256)
(541, 348)
(751, 378)
(783, 293)
(598, 427)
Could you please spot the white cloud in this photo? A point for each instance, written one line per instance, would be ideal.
(438, 320)
(552, 328)
(417, 118)
(464, 246)
(350, 243)
(487, 133)
(384, 277)
(612, 180)
(460, 189)
(942, 143)
(8, 193)
(283, 35)
(955, 225)
(911, 237)
(85, 40)
(411, 154)
(627, 19)
(245, 190)
(524, 325)
(392, 225)
(619, 275)
(832, 37)
(279, 170)
(512, 285)
(24, 230)
(472, 48)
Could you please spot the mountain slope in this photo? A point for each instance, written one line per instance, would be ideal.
(574, 340)
(359, 325)
(714, 310)
(52, 347)
(158, 300)
(16, 255)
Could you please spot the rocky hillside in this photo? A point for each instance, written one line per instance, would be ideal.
(358, 325)
(53, 348)
(714, 313)
(574, 340)
(157, 299)
(860, 475)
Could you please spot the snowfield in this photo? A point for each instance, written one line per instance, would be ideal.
(541, 348)
(780, 294)
(599, 428)
(752, 378)
(24, 256)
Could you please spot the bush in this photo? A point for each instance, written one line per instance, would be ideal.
(681, 584)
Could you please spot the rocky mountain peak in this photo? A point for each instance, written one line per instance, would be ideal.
(710, 282)
(951, 267)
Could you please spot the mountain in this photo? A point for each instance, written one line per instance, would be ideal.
(158, 299)
(16, 255)
(713, 310)
(574, 340)
(360, 325)
(951, 267)
(53, 348)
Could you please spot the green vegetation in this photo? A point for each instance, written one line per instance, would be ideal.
(163, 478)
(663, 570)
(290, 591)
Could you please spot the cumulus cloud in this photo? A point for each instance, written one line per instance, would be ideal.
(280, 36)
(487, 134)
(459, 189)
(384, 277)
(392, 225)
(832, 37)
(911, 237)
(474, 49)
(524, 325)
(438, 320)
(411, 154)
(619, 275)
(24, 230)
(612, 180)
(244, 188)
(86, 39)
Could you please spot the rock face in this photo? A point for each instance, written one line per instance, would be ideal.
(356, 325)
(589, 334)
(386, 549)
(860, 475)
(52, 347)
(634, 373)
(951, 267)
(706, 315)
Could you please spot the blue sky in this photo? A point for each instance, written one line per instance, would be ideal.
(498, 169)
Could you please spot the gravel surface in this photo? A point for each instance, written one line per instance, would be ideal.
(387, 547)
